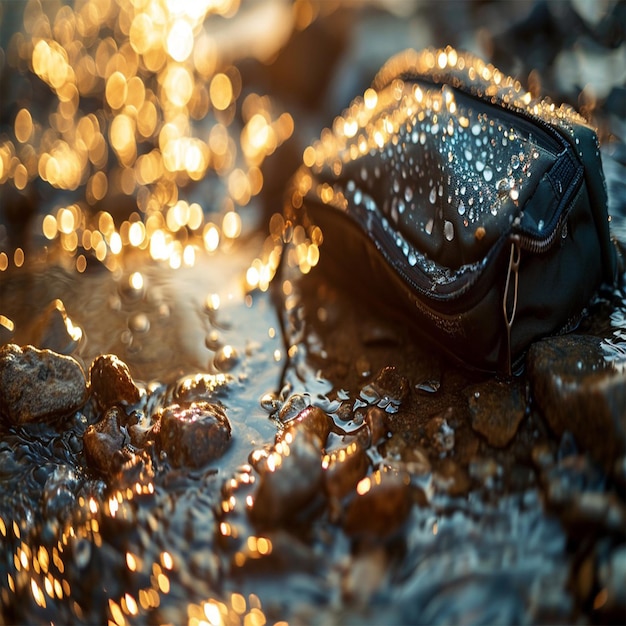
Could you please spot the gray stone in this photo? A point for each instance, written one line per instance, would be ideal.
(39, 385)
(576, 389)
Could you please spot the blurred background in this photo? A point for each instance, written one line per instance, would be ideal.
(172, 125)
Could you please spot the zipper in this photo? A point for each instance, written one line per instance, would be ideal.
(528, 120)
(418, 280)
(536, 130)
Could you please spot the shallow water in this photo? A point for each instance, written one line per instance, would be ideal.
(479, 542)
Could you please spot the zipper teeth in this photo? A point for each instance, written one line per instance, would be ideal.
(534, 125)
(537, 246)
(425, 289)
(553, 134)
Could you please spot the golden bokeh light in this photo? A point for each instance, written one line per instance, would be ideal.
(140, 106)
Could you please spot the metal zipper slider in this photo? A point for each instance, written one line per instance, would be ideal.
(510, 310)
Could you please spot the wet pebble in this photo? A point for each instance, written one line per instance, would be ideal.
(39, 385)
(194, 435)
(344, 468)
(439, 434)
(290, 478)
(398, 454)
(380, 507)
(292, 407)
(577, 390)
(376, 421)
(388, 389)
(451, 478)
(54, 330)
(496, 409)
(104, 443)
(312, 420)
(197, 387)
(111, 382)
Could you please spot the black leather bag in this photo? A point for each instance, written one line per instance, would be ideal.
(454, 195)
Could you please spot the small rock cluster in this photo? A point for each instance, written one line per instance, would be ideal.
(44, 386)
(312, 472)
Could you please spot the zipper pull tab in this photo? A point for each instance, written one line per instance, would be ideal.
(509, 309)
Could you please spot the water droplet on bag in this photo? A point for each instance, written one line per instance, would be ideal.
(433, 195)
(476, 129)
(408, 194)
(480, 166)
(461, 208)
(448, 230)
(428, 229)
(488, 174)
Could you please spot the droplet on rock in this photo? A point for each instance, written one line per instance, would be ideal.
(39, 385)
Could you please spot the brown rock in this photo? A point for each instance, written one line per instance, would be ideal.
(496, 409)
(388, 389)
(39, 385)
(291, 476)
(439, 433)
(111, 382)
(103, 443)
(381, 505)
(313, 420)
(194, 435)
(576, 389)
(376, 421)
(344, 468)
